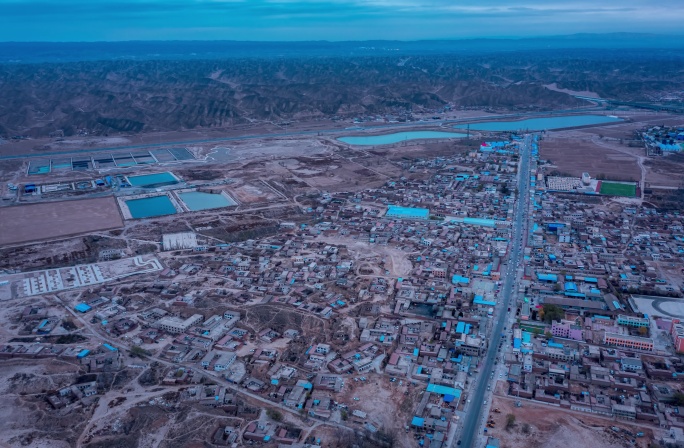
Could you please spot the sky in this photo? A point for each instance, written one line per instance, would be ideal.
(336, 20)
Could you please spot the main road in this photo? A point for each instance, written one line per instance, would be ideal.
(471, 423)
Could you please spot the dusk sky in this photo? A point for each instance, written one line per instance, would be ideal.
(98, 20)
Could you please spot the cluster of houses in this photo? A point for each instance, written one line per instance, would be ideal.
(408, 276)
(661, 140)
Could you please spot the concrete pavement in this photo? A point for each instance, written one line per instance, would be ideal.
(479, 398)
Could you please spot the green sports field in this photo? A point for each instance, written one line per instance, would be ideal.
(616, 189)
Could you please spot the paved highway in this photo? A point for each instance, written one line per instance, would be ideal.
(471, 430)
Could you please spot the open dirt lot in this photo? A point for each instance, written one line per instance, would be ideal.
(387, 406)
(253, 192)
(606, 150)
(574, 155)
(25, 420)
(50, 220)
(538, 426)
(665, 171)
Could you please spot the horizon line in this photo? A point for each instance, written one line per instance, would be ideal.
(446, 39)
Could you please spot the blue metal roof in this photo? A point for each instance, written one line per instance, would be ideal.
(443, 390)
(547, 277)
(480, 222)
(417, 421)
(480, 301)
(575, 294)
(459, 279)
(407, 212)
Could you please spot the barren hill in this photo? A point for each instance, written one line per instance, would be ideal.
(131, 96)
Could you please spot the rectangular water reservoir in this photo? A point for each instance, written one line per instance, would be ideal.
(150, 207)
(198, 200)
(153, 180)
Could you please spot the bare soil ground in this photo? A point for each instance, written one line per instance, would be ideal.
(665, 171)
(252, 192)
(573, 156)
(558, 428)
(614, 150)
(57, 219)
(25, 417)
(387, 407)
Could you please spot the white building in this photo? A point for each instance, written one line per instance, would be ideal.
(224, 361)
(177, 325)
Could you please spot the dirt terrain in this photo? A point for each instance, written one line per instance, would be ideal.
(574, 155)
(666, 171)
(25, 417)
(53, 220)
(613, 151)
(373, 397)
(540, 426)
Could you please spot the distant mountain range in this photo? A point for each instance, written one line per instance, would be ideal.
(131, 87)
(39, 52)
